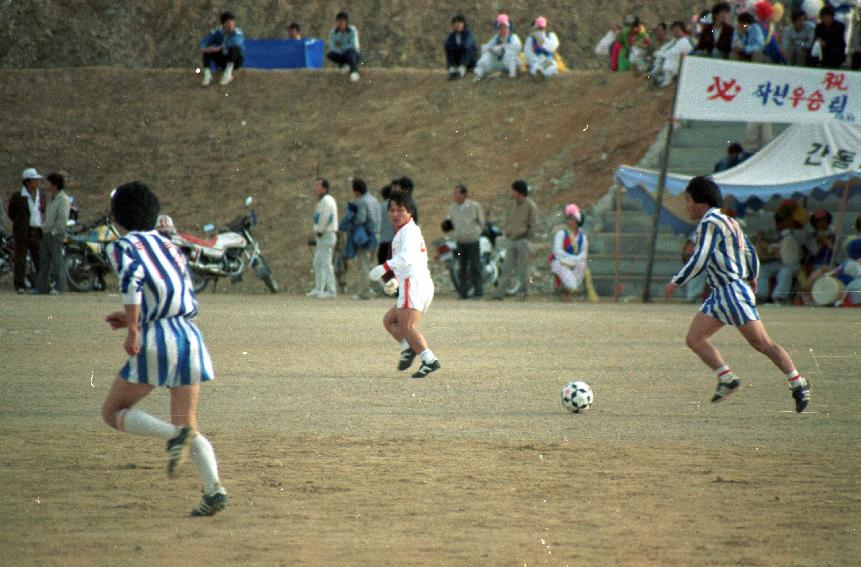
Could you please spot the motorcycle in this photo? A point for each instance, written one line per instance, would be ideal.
(491, 257)
(86, 254)
(224, 253)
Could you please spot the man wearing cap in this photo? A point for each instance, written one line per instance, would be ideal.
(26, 209)
(224, 46)
(521, 221)
(540, 50)
(344, 46)
(51, 261)
(501, 52)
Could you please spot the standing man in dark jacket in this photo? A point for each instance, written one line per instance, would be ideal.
(461, 52)
(26, 209)
(716, 38)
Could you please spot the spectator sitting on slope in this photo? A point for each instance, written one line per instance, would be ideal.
(748, 41)
(501, 52)
(830, 51)
(716, 37)
(344, 46)
(668, 59)
(798, 39)
(540, 50)
(224, 47)
(461, 51)
(294, 31)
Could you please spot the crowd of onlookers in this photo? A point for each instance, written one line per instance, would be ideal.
(813, 33)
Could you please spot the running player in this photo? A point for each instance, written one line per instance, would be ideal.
(731, 267)
(409, 265)
(165, 348)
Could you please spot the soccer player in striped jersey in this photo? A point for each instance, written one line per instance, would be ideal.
(165, 348)
(409, 266)
(731, 267)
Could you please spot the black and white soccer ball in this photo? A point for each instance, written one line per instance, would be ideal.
(576, 396)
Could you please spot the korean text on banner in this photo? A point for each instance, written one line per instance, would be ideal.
(732, 91)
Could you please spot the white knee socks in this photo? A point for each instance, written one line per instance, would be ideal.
(140, 422)
(204, 458)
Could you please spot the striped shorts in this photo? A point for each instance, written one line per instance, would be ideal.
(172, 354)
(733, 304)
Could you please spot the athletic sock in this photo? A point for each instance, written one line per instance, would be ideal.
(404, 344)
(427, 355)
(204, 458)
(794, 378)
(140, 422)
(724, 374)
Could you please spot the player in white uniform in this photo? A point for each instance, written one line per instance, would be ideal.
(165, 348)
(731, 267)
(411, 277)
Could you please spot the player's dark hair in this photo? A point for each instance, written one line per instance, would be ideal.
(324, 183)
(403, 199)
(225, 16)
(342, 15)
(406, 184)
(458, 18)
(720, 7)
(359, 186)
(703, 190)
(461, 188)
(134, 206)
(56, 179)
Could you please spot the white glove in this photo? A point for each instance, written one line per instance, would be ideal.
(377, 272)
(391, 287)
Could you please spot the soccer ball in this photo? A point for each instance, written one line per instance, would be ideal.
(576, 396)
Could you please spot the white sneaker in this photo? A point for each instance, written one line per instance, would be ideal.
(354, 77)
(325, 295)
(227, 77)
(207, 77)
(461, 70)
(313, 293)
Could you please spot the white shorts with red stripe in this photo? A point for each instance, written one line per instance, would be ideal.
(415, 293)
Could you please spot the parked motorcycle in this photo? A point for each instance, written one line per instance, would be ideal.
(491, 257)
(86, 254)
(223, 253)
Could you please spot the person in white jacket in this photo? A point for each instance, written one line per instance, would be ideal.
(325, 221)
(407, 272)
(668, 59)
(570, 249)
(540, 49)
(501, 52)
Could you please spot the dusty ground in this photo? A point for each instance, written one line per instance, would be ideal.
(332, 457)
(271, 133)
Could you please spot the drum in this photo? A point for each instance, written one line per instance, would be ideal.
(853, 292)
(827, 290)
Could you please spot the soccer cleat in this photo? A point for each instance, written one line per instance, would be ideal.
(801, 395)
(176, 449)
(426, 368)
(726, 389)
(209, 505)
(407, 358)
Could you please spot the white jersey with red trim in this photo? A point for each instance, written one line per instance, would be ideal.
(409, 253)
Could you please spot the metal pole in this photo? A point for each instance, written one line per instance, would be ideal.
(838, 230)
(617, 260)
(659, 198)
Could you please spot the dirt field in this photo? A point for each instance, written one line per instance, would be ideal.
(332, 457)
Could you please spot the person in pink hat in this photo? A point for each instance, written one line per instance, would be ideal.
(501, 52)
(540, 49)
(570, 249)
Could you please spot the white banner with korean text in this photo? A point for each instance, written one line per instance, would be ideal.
(733, 91)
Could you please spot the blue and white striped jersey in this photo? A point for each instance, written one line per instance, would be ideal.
(723, 251)
(152, 273)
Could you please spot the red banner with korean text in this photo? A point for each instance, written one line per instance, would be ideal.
(733, 91)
